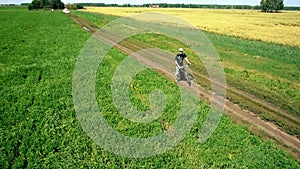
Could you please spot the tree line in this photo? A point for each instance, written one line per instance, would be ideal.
(266, 6)
(165, 5)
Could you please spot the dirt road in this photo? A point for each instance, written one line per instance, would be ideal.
(253, 122)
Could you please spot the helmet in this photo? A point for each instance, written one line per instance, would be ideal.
(180, 50)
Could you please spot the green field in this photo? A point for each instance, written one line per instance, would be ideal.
(38, 124)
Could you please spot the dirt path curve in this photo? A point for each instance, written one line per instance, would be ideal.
(255, 124)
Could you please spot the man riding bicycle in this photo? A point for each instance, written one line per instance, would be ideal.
(179, 63)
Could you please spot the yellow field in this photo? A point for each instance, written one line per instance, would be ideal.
(281, 28)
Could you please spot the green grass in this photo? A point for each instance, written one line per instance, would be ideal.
(274, 68)
(38, 125)
(140, 88)
(267, 71)
(97, 20)
(230, 146)
(12, 8)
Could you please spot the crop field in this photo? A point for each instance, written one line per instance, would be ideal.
(282, 28)
(38, 124)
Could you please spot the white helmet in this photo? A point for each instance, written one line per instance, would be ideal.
(180, 50)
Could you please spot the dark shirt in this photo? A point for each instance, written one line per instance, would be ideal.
(179, 58)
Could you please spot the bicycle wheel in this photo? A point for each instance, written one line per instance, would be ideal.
(190, 77)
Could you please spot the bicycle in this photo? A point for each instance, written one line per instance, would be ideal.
(184, 74)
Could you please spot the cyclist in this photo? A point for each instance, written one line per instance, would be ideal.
(179, 63)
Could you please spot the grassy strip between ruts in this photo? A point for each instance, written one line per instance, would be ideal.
(38, 123)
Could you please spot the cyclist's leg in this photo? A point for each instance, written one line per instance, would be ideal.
(177, 74)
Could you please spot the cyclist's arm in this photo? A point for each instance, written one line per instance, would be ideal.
(186, 59)
(177, 64)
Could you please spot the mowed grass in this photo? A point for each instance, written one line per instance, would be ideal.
(281, 28)
(38, 124)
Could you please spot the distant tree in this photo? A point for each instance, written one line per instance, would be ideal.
(35, 4)
(56, 4)
(126, 5)
(74, 6)
(29, 7)
(46, 4)
(271, 5)
(25, 4)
